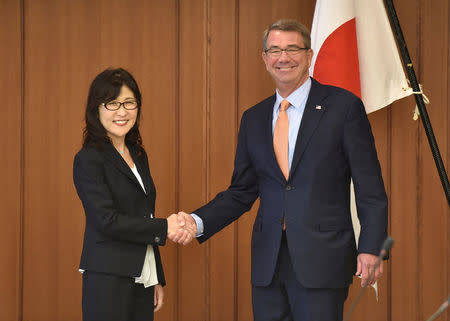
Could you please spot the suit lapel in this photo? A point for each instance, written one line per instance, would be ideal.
(142, 169)
(116, 159)
(310, 120)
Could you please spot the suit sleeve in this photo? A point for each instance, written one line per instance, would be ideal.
(230, 204)
(159, 267)
(101, 211)
(370, 195)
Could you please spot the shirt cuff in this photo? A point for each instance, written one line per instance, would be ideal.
(199, 223)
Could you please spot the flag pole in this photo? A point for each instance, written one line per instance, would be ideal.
(419, 98)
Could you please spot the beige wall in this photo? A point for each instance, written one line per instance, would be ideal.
(198, 65)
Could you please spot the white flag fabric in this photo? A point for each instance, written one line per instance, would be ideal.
(354, 48)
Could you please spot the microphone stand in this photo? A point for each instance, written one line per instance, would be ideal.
(440, 310)
(387, 245)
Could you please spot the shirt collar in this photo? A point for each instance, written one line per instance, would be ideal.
(296, 98)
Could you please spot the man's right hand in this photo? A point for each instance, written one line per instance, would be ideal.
(188, 222)
(181, 228)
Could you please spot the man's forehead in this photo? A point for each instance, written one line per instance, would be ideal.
(292, 37)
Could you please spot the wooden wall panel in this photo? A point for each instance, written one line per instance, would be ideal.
(193, 265)
(221, 141)
(405, 192)
(51, 233)
(156, 71)
(11, 162)
(435, 214)
(253, 85)
(448, 154)
(68, 52)
(447, 164)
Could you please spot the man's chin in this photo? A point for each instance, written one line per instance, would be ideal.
(286, 81)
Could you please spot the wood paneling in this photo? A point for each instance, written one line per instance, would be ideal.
(48, 247)
(404, 198)
(221, 141)
(156, 71)
(448, 156)
(433, 206)
(198, 65)
(192, 263)
(11, 162)
(251, 81)
(64, 55)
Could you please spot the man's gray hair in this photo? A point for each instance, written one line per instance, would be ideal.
(288, 25)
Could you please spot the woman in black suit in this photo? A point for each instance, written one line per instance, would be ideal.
(122, 271)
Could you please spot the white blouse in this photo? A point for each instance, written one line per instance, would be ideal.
(148, 276)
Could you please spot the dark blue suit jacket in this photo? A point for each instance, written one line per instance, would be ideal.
(334, 144)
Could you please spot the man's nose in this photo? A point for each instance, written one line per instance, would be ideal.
(284, 56)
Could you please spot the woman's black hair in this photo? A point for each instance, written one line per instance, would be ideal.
(104, 88)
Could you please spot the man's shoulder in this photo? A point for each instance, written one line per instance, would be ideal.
(339, 100)
(332, 91)
(262, 106)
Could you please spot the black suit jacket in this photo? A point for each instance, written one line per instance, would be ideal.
(334, 144)
(118, 212)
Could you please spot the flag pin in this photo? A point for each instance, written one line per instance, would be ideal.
(318, 107)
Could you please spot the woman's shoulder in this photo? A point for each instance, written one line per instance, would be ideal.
(89, 153)
(88, 160)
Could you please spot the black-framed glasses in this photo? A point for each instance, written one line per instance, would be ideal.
(290, 51)
(115, 105)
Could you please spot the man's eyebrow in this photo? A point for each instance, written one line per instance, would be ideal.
(288, 46)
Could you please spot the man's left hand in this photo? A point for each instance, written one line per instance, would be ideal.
(365, 265)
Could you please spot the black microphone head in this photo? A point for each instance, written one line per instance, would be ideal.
(387, 244)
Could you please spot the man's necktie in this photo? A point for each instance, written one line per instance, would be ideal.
(281, 138)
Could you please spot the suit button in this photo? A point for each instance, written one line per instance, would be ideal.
(145, 216)
(157, 239)
(288, 188)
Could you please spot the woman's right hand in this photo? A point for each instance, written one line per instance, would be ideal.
(177, 231)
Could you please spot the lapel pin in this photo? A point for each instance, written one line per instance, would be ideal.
(318, 107)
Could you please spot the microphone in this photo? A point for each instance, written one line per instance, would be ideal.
(440, 310)
(387, 245)
(385, 248)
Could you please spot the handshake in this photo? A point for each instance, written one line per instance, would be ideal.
(181, 228)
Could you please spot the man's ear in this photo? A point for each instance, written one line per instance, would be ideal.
(310, 54)
(264, 58)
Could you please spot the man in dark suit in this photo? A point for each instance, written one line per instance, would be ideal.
(298, 150)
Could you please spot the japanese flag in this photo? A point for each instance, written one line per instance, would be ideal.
(354, 48)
